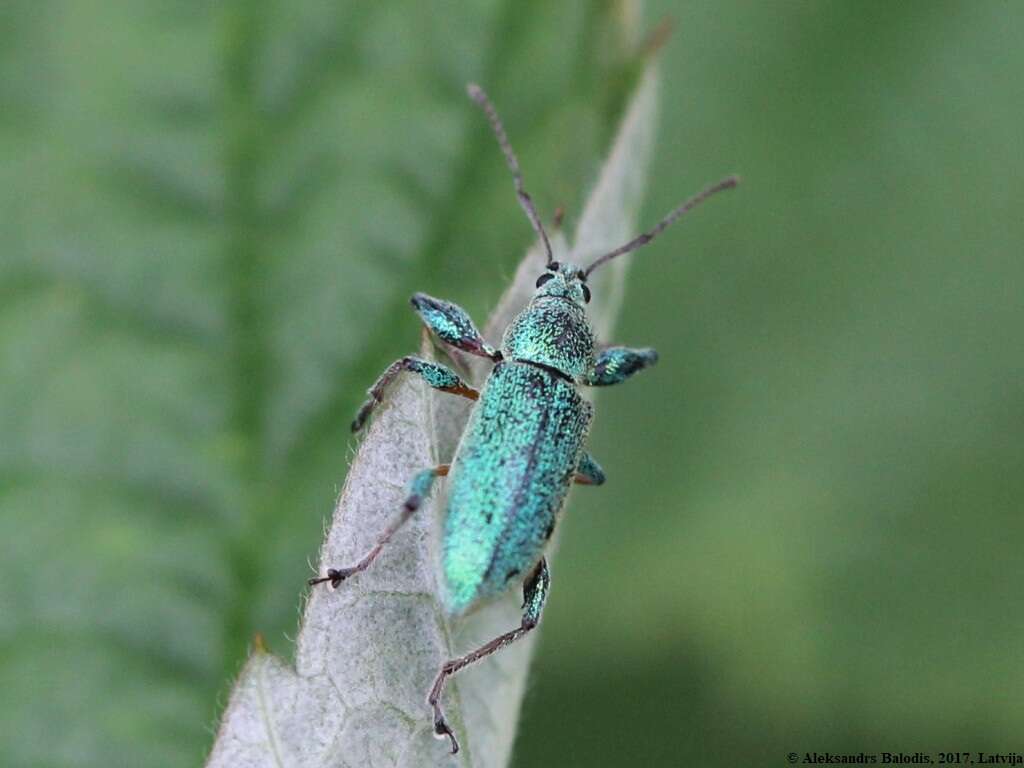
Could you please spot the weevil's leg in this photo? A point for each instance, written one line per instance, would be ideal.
(535, 593)
(616, 364)
(452, 325)
(589, 472)
(419, 489)
(436, 375)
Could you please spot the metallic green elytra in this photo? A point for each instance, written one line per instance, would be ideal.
(509, 479)
(523, 445)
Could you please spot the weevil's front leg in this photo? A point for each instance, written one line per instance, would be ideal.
(452, 325)
(616, 364)
(589, 472)
(436, 375)
(419, 489)
(535, 593)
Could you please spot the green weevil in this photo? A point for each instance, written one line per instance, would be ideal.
(524, 442)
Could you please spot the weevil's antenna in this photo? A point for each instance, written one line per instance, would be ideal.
(476, 93)
(646, 237)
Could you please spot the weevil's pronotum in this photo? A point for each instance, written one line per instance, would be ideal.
(524, 442)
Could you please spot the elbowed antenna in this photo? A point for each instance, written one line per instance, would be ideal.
(477, 94)
(642, 239)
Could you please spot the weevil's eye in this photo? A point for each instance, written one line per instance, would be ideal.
(554, 266)
(544, 278)
(586, 293)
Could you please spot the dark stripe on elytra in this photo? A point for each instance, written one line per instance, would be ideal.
(521, 491)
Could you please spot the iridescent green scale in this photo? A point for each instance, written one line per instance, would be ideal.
(509, 479)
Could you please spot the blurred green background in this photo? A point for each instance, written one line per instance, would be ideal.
(213, 215)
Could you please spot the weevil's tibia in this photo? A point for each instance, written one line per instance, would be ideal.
(535, 593)
(589, 472)
(616, 364)
(452, 325)
(436, 375)
(419, 489)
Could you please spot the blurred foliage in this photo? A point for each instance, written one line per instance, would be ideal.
(213, 215)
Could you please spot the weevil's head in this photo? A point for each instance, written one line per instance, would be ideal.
(552, 330)
(565, 281)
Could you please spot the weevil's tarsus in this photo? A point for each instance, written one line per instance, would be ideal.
(589, 472)
(436, 375)
(334, 575)
(419, 489)
(452, 325)
(535, 594)
(480, 97)
(616, 364)
(646, 237)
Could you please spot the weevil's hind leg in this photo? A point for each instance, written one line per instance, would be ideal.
(436, 375)
(616, 364)
(535, 593)
(452, 325)
(589, 472)
(419, 489)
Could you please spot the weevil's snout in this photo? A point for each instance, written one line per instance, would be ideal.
(565, 281)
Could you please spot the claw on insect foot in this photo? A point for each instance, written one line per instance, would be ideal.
(441, 730)
(334, 575)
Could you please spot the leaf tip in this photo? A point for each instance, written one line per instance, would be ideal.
(657, 38)
(259, 645)
(559, 216)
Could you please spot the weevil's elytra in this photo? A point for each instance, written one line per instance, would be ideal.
(537, 421)
(524, 442)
